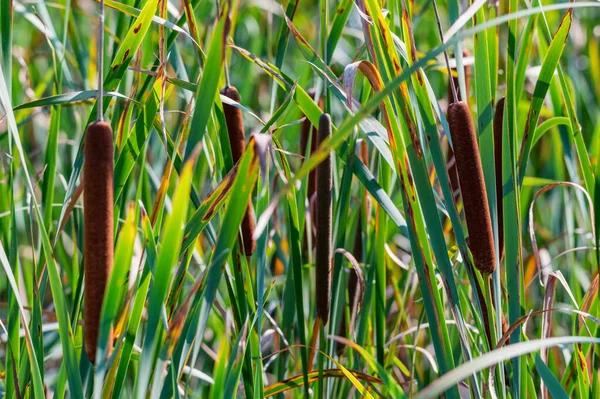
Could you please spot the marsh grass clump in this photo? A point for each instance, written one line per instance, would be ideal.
(472, 186)
(323, 225)
(402, 264)
(98, 226)
(237, 143)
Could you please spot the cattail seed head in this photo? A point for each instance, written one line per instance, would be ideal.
(472, 186)
(235, 123)
(235, 129)
(498, 117)
(323, 258)
(451, 164)
(98, 226)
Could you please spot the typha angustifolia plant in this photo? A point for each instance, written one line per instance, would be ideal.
(323, 226)
(472, 186)
(454, 91)
(97, 213)
(237, 143)
(470, 176)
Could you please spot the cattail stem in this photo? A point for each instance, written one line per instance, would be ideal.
(472, 186)
(323, 258)
(235, 129)
(498, 118)
(454, 84)
(98, 226)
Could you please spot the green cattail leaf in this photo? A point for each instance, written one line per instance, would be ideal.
(394, 389)
(548, 70)
(134, 12)
(113, 296)
(38, 385)
(62, 315)
(555, 390)
(495, 357)
(167, 256)
(208, 88)
(134, 144)
(137, 309)
(127, 50)
(297, 381)
(69, 98)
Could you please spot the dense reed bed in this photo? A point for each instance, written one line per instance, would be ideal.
(268, 243)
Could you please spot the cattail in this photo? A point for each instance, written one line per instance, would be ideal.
(235, 128)
(323, 258)
(472, 186)
(498, 117)
(451, 164)
(98, 226)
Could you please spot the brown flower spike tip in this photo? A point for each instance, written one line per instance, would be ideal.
(498, 117)
(323, 258)
(472, 186)
(98, 226)
(452, 165)
(235, 128)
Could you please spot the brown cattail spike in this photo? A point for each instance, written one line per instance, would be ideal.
(323, 258)
(498, 117)
(453, 84)
(235, 129)
(472, 186)
(98, 226)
